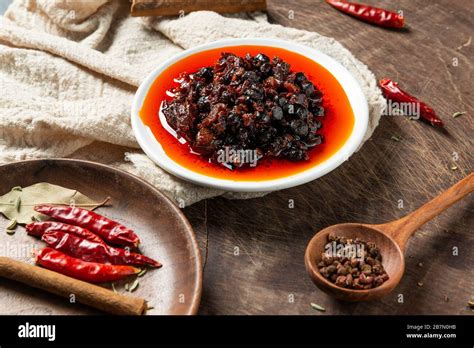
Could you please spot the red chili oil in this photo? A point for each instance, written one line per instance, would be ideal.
(338, 121)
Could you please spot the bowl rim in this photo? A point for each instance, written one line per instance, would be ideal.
(351, 87)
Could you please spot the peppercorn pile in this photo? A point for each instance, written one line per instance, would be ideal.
(249, 103)
(354, 264)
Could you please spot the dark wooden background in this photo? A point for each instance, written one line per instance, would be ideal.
(267, 276)
(434, 61)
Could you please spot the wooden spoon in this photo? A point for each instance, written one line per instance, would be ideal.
(391, 238)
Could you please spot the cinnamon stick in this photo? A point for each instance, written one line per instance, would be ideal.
(56, 283)
(178, 7)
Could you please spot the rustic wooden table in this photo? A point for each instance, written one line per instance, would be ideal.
(255, 247)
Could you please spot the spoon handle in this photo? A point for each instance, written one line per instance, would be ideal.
(402, 229)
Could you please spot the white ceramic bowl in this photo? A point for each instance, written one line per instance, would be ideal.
(154, 150)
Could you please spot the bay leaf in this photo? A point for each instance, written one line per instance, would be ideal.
(19, 203)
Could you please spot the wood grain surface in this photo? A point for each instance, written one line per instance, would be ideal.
(255, 248)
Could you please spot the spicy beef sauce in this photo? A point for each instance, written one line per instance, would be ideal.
(337, 125)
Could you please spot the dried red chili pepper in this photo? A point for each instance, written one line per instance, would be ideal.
(40, 228)
(109, 230)
(391, 91)
(88, 271)
(95, 252)
(374, 15)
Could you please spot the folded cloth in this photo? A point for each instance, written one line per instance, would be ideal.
(69, 70)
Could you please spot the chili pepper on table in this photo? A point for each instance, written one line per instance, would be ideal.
(391, 91)
(40, 228)
(87, 271)
(374, 15)
(95, 252)
(109, 230)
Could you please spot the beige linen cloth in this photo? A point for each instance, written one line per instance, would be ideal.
(69, 71)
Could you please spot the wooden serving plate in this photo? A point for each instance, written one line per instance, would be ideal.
(165, 235)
